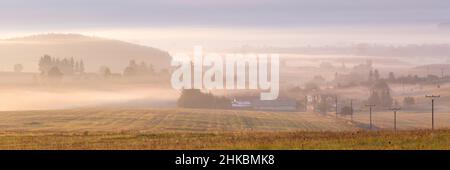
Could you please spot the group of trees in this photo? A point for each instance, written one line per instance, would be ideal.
(56, 67)
(52, 66)
(414, 79)
(380, 91)
(380, 94)
(323, 106)
(194, 98)
(324, 103)
(374, 76)
(134, 69)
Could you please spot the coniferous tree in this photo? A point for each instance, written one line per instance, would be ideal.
(376, 75)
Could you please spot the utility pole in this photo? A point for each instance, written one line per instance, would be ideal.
(432, 108)
(314, 103)
(370, 111)
(395, 109)
(351, 110)
(306, 103)
(336, 101)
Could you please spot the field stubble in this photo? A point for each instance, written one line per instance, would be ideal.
(100, 128)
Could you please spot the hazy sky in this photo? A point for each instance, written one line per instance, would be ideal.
(98, 17)
(23, 14)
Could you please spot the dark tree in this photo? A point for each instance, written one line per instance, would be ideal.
(391, 77)
(18, 68)
(194, 98)
(81, 67)
(381, 94)
(346, 110)
(409, 101)
(370, 80)
(376, 75)
(374, 98)
(311, 86)
(55, 73)
(105, 71)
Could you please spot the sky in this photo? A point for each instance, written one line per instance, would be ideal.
(196, 21)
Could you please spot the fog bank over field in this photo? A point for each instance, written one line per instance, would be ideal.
(50, 98)
(121, 74)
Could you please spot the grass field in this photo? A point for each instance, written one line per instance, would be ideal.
(100, 128)
(418, 139)
(168, 120)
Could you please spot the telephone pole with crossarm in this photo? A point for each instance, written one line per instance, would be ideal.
(433, 97)
(370, 112)
(395, 109)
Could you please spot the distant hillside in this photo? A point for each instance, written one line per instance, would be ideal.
(433, 67)
(444, 25)
(95, 52)
(360, 49)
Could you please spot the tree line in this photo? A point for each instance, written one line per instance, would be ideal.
(53, 66)
(57, 67)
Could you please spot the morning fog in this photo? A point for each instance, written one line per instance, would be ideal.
(229, 71)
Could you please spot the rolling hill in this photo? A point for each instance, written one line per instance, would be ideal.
(95, 52)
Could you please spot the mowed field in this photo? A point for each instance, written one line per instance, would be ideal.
(168, 120)
(384, 120)
(382, 140)
(101, 128)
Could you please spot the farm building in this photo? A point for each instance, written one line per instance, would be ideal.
(272, 105)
